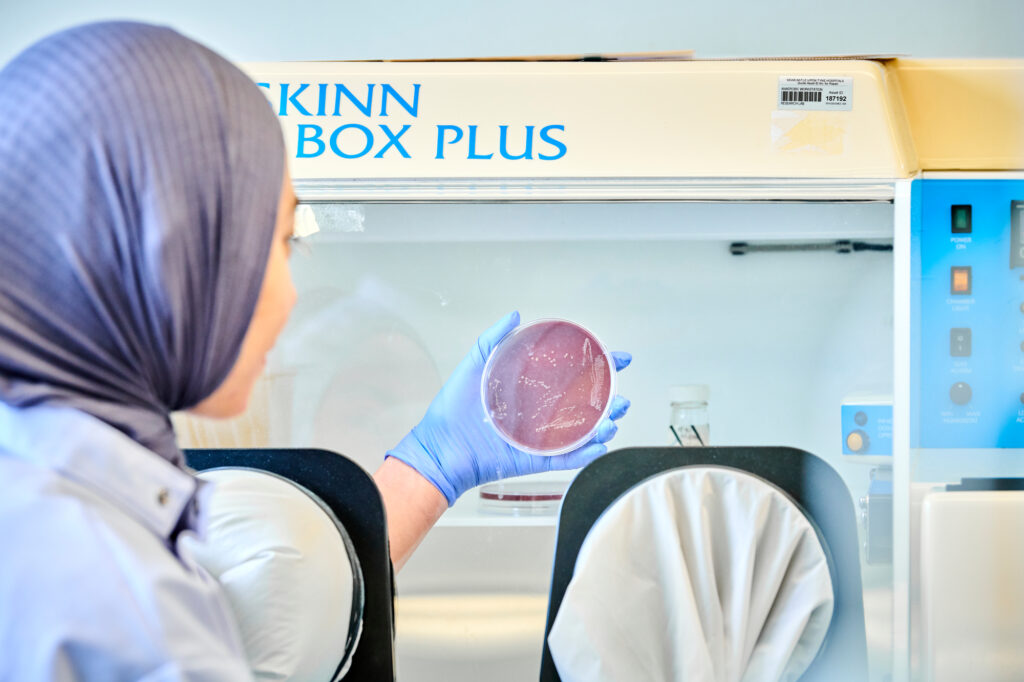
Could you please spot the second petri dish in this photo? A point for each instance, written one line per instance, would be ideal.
(547, 386)
(522, 498)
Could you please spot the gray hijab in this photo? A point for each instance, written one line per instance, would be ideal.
(139, 180)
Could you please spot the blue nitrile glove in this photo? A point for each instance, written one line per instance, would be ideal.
(455, 447)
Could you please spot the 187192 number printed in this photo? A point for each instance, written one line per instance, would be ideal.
(821, 93)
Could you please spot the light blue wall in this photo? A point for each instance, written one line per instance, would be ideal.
(321, 29)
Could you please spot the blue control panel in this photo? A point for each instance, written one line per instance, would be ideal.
(867, 429)
(968, 313)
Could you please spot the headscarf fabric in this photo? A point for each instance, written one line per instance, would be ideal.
(139, 182)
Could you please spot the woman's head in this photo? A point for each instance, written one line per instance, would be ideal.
(275, 303)
(140, 182)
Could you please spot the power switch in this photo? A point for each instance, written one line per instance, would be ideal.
(960, 342)
(960, 218)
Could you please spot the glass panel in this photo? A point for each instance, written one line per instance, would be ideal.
(795, 345)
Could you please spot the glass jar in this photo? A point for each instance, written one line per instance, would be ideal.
(688, 420)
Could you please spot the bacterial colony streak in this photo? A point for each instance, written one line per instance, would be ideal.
(547, 387)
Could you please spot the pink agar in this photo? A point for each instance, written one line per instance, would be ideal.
(548, 386)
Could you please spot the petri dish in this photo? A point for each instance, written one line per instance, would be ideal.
(547, 386)
(522, 498)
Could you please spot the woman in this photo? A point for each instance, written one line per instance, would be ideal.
(145, 218)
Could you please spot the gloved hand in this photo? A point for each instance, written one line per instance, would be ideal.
(454, 446)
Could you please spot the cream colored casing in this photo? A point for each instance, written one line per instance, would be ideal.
(964, 114)
(621, 119)
(972, 586)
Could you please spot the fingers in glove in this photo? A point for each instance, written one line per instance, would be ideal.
(621, 359)
(619, 407)
(490, 338)
(605, 431)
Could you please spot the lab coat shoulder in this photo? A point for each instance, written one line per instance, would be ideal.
(90, 593)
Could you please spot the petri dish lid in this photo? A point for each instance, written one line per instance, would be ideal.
(522, 491)
(522, 498)
(547, 386)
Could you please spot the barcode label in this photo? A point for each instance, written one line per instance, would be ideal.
(789, 95)
(821, 93)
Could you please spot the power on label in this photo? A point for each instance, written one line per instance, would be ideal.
(815, 93)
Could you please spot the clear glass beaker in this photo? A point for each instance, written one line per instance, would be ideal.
(688, 420)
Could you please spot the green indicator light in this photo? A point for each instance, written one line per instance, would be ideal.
(961, 219)
(960, 215)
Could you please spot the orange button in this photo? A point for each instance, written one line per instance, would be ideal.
(961, 281)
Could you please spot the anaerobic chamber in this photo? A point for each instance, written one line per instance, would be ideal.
(772, 230)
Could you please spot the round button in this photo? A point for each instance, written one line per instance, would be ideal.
(860, 418)
(162, 496)
(960, 393)
(1022, 397)
(857, 441)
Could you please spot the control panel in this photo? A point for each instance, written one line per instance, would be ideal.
(867, 429)
(968, 313)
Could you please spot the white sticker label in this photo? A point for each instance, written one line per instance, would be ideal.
(815, 93)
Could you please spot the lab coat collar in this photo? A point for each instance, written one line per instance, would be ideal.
(164, 498)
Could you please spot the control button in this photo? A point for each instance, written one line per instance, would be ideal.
(860, 418)
(960, 393)
(857, 441)
(960, 280)
(960, 218)
(960, 342)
